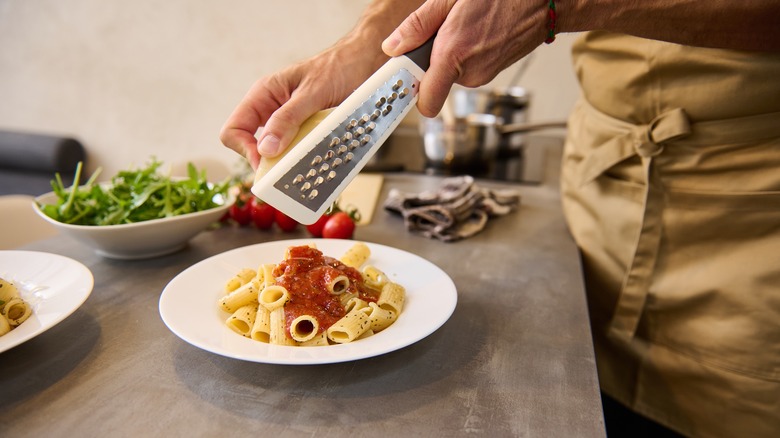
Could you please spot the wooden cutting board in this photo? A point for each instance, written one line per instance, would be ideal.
(363, 194)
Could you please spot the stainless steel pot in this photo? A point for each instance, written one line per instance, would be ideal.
(511, 105)
(464, 144)
(471, 144)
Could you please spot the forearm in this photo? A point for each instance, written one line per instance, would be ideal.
(729, 24)
(379, 19)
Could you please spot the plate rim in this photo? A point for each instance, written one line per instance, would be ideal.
(332, 356)
(74, 301)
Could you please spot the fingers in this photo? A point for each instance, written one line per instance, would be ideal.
(417, 27)
(412, 33)
(274, 106)
(283, 125)
(434, 88)
(238, 132)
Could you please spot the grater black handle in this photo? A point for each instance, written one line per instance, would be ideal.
(422, 55)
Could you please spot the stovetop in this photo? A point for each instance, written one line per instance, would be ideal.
(404, 152)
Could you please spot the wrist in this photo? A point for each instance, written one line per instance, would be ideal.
(377, 23)
(365, 42)
(573, 16)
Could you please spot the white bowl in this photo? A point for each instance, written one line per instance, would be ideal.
(139, 240)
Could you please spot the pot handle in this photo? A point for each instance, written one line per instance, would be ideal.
(517, 128)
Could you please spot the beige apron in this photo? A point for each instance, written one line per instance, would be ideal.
(671, 186)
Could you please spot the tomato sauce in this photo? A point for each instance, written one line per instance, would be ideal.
(305, 274)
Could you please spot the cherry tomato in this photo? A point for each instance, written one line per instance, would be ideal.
(263, 214)
(339, 226)
(315, 229)
(240, 213)
(286, 223)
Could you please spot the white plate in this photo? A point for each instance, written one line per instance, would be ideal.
(55, 286)
(188, 304)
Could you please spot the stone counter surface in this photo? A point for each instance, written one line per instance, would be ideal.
(515, 358)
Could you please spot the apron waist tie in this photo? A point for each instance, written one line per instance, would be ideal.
(647, 142)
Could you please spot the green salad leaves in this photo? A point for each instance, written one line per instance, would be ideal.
(133, 196)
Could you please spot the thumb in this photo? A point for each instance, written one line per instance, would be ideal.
(417, 28)
(283, 125)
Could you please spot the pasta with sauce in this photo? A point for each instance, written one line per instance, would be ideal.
(310, 299)
(13, 309)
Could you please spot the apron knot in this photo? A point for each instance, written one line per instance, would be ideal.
(647, 149)
(669, 126)
(646, 141)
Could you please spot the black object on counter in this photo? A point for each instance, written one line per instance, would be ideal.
(28, 161)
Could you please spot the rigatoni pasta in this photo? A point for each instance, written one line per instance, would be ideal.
(261, 330)
(350, 327)
(240, 297)
(374, 277)
(243, 319)
(273, 297)
(380, 318)
(277, 325)
(356, 255)
(304, 328)
(310, 299)
(392, 297)
(243, 277)
(13, 309)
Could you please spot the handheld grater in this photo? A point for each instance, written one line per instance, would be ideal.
(314, 172)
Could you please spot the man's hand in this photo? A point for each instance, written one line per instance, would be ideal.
(476, 40)
(276, 105)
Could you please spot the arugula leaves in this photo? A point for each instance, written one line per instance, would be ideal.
(133, 196)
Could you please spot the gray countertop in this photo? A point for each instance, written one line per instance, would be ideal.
(515, 358)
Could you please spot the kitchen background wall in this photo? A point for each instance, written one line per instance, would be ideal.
(135, 79)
